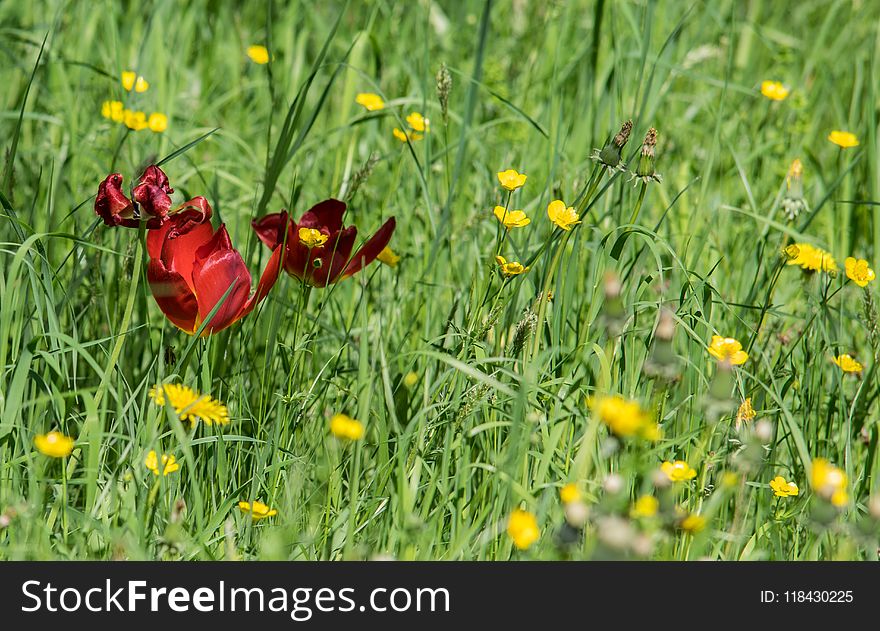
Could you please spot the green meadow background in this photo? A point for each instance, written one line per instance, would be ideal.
(470, 410)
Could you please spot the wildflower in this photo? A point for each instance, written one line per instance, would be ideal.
(257, 510)
(343, 426)
(693, 523)
(569, 493)
(510, 269)
(781, 488)
(522, 527)
(157, 122)
(134, 120)
(645, 506)
(678, 471)
(370, 102)
(131, 79)
(323, 266)
(774, 90)
(312, 237)
(193, 268)
(847, 363)
(843, 139)
(169, 463)
(828, 482)
(54, 444)
(388, 257)
(746, 413)
(418, 123)
(511, 218)
(793, 202)
(511, 180)
(410, 379)
(189, 405)
(609, 156)
(727, 349)
(645, 169)
(152, 200)
(810, 258)
(114, 110)
(563, 216)
(258, 54)
(623, 416)
(857, 270)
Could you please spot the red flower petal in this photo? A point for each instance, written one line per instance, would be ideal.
(153, 192)
(173, 296)
(270, 229)
(371, 249)
(112, 205)
(267, 281)
(217, 268)
(326, 214)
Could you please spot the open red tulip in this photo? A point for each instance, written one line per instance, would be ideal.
(317, 248)
(192, 267)
(152, 200)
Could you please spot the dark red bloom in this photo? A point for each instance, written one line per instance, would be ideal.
(192, 267)
(331, 261)
(152, 198)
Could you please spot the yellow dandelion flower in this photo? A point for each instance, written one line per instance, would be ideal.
(563, 216)
(774, 90)
(312, 237)
(54, 444)
(646, 506)
(511, 180)
(810, 258)
(727, 349)
(258, 54)
(343, 426)
(169, 463)
(369, 101)
(847, 363)
(131, 79)
(510, 269)
(678, 471)
(693, 523)
(189, 405)
(157, 122)
(134, 120)
(418, 123)
(388, 257)
(569, 493)
(843, 139)
(828, 481)
(257, 510)
(522, 527)
(781, 488)
(511, 218)
(857, 270)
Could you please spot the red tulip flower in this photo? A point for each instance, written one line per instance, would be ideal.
(152, 200)
(192, 268)
(317, 247)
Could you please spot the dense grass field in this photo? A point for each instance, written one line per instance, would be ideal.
(576, 410)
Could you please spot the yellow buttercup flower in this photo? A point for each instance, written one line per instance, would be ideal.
(810, 258)
(646, 506)
(54, 444)
(843, 139)
(522, 527)
(371, 102)
(511, 180)
(257, 510)
(403, 137)
(258, 54)
(157, 122)
(774, 90)
(693, 523)
(569, 493)
(312, 237)
(512, 268)
(829, 482)
(410, 379)
(388, 257)
(189, 405)
(418, 123)
(623, 416)
(847, 363)
(746, 412)
(563, 216)
(781, 488)
(135, 120)
(678, 471)
(857, 270)
(169, 463)
(131, 80)
(727, 349)
(511, 218)
(343, 426)
(114, 110)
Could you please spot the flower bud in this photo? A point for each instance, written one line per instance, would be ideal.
(610, 155)
(645, 169)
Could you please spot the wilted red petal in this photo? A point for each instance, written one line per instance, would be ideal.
(270, 229)
(371, 249)
(267, 281)
(153, 192)
(112, 205)
(173, 295)
(217, 268)
(326, 214)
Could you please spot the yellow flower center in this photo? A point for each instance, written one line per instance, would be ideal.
(312, 237)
